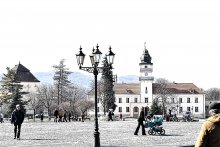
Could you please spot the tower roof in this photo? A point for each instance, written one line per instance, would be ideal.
(146, 58)
(22, 74)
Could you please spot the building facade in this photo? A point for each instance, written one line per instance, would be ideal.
(130, 97)
(29, 82)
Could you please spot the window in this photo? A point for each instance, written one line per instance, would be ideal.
(146, 99)
(196, 109)
(188, 100)
(196, 100)
(135, 100)
(172, 100)
(120, 100)
(135, 109)
(180, 109)
(180, 100)
(146, 91)
(127, 109)
(188, 108)
(127, 100)
(119, 109)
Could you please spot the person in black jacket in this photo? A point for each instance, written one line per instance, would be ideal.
(56, 114)
(140, 123)
(17, 118)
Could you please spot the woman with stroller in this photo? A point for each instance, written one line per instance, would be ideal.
(140, 123)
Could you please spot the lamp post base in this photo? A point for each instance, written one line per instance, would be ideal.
(97, 139)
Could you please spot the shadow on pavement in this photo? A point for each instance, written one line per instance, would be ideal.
(39, 139)
(171, 135)
(108, 146)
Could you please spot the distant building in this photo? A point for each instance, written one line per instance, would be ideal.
(27, 79)
(130, 97)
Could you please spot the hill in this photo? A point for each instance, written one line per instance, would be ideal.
(80, 78)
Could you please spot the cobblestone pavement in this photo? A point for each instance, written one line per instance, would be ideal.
(112, 134)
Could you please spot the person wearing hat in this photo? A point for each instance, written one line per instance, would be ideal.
(210, 131)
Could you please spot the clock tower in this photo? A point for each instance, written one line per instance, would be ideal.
(146, 78)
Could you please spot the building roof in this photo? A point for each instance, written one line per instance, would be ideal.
(22, 74)
(179, 88)
(175, 88)
(127, 88)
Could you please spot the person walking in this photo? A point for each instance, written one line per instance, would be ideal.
(56, 113)
(1, 118)
(65, 116)
(110, 113)
(140, 123)
(17, 119)
(209, 134)
(69, 116)
(41, 116)
(120, 116)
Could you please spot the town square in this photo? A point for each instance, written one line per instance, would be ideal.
(112, 134)
(109, 73)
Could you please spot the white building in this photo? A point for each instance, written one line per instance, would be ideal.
(130, 97)
(28, 80)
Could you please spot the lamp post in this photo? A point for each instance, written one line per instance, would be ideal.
(95, 59)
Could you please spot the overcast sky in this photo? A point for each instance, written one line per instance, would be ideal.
(182, 37)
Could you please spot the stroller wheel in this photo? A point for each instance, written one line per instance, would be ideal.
(162, 132)
(151, 132)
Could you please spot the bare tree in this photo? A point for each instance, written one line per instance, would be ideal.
(34, 102)
(213, 94)
(165, 95)
(84, 105)
(47, 97)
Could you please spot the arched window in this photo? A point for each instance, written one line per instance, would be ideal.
(135, 109)
(146, 91)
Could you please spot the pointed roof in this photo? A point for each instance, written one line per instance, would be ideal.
(22, 74)
(146, 58)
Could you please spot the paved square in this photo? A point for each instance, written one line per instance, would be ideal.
(112, 134)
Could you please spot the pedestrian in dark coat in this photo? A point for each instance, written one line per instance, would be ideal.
(140, 123)
(65, 116)
(69, 116)
(17, 119)
(42, 116)
(110, 113)
(56, 114)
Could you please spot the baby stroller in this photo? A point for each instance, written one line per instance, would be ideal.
(155, 126)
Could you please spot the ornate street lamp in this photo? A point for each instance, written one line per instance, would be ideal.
(95, 59)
